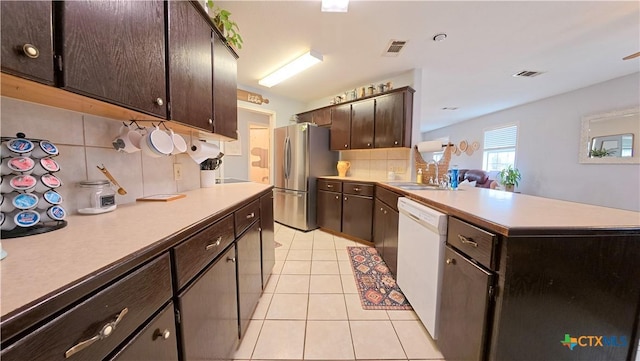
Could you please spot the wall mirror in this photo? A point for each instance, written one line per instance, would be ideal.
(609, 138)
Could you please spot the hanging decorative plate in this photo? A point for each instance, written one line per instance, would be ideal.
(463, 145)
(458, 152)
(469, 151)
(475, 145)
(454, 149)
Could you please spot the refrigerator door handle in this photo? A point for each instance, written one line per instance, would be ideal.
(285, 165)
(288, 157)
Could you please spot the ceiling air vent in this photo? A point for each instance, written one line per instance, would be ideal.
(527, 74)
(394, 47)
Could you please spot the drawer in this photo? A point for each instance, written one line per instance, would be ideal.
(388, 197)
(246, 215)
(472, 241)
(198, 251)
(329, 185)
(156, 342)
(359, 189)
(120, 308)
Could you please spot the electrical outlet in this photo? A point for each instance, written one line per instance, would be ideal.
(177, 172)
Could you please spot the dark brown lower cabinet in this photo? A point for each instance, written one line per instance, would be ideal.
(465, 302)
(249, 274)
(357, 216)
(329, 210)
(208, 312)
(155, 342)
(267, 237)
(385, 233)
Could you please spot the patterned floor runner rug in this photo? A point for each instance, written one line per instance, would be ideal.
(377, 287)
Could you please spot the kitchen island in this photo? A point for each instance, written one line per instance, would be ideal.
(45, 276)
(523, 272)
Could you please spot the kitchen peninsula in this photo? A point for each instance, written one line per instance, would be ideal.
(538, 269)
(59, 288)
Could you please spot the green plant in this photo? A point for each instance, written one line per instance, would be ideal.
(227, 27)
(510, 176)
(595, 153)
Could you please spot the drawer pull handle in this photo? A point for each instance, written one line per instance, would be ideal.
(329, 185)
(466, 240)
(231, 259)
(164, 334)
(356, 189)
(451, 261)
(214, 245)
(251, 215)
(104, 333)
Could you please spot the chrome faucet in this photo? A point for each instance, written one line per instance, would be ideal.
(437, 181)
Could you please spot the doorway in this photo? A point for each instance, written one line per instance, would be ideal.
(259, 140)
(249, 157)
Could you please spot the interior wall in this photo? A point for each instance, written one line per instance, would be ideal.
(237, 166)
(282, 108)
(549, 142)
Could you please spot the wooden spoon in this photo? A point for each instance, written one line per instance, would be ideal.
(104, 170)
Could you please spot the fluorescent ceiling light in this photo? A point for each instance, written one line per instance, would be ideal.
(335, 6)
(296, 66)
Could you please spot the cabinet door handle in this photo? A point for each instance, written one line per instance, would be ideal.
(466, 240)
(368, 144)
(251, 215)
(451, 261)
(345, 198)
(159, 101)
(210, 121)
(337, 197)
(381, 209)
(395, 143)
(213, 245)
(30, 51)
(162, 334)
(346, 146)
(385, 212)
(104, 332)
(231, 259)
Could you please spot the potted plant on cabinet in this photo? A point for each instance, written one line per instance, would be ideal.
(227, 27)
(509, 177)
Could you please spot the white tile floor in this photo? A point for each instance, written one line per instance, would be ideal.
(310, 310)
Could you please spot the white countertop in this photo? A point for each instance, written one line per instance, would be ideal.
(37, 265)
(510, 212)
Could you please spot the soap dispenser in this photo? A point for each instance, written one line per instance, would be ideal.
(419, 176)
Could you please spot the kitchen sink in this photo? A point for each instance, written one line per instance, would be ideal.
(412, 186)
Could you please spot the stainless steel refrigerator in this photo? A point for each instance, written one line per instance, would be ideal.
(301, 154)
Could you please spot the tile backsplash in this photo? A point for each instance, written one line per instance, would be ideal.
(84, 142)
(377, 163)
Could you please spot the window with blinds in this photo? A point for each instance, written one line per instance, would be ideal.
(500, 148)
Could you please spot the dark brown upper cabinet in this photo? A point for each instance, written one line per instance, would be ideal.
(114, 51)
(362, 123)
(225, 90)
(322, 116)
(27, 40)
(393, 119)
(341, 127)
(190, 66)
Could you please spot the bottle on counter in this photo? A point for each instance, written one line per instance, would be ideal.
(419, 176)
(454, 177)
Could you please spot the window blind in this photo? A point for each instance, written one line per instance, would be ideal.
(501, 137)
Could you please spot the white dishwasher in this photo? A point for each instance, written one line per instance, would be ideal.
(422, 233)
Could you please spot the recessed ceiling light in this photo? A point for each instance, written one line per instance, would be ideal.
(439, 37)
(450, 108)
(335, 6)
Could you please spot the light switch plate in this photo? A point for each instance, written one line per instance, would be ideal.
(177, 171)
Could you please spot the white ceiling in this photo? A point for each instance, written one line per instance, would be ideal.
(575, 43)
